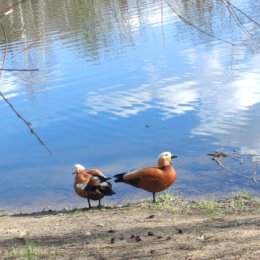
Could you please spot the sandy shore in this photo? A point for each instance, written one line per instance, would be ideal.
(170, 229)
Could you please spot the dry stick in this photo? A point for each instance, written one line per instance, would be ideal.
(235, 17)
(11, 106)
(217, 157)
(196, 27)
(19, 69)
(232, 156)
(218, 161)
(239, 10)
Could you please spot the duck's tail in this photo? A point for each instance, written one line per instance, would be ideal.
(119, 177)
(106, 189)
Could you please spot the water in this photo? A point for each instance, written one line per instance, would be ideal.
(118, 83)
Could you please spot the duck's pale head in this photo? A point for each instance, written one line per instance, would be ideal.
(164, 158)
(77, 168)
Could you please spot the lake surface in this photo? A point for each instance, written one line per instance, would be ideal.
(120, 82)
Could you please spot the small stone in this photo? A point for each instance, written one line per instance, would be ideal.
(132, 236)
(112, 240)
(168, 238)
(150, 233)
(180, 231)
(152, 251)
(159, 237)
(151, 216)
(138, 239)
(88, 234)
(111, 231)
(201, 238)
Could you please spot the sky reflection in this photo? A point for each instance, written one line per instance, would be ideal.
(168, 97)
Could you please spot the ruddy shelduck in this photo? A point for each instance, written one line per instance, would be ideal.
(91, 184)
(152, 179)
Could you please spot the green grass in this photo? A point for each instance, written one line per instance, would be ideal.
(30, 252)
(209, 207)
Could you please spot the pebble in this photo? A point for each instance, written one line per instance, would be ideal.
(138, 239)
(151, 216)
(150, 233)
(180, 231)
(202, 238)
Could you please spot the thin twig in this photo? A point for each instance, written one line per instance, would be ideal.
(217, 157)
(194, 26)
(28, 124)
(235, 17)
(239, 10)
(162, 23)
(19, 69)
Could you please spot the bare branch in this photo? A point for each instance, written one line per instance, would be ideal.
(19, 69)
(194, 26)
(235, 17)
(28, 124)
(218, 156)
(239, 10)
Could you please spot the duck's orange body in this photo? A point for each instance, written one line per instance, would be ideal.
(152, 179)
(85, 177)
(91, 184)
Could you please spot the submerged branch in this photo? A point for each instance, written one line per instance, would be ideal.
(28, 124)
(239, 10)
(19, 69)
(218, 156)
(235, 17)
(174, 9)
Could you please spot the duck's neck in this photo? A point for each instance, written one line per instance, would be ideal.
(164, 166)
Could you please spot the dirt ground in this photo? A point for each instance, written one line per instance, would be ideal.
(171, 229)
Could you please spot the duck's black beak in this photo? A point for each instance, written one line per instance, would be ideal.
(73, 173)
(174, 156)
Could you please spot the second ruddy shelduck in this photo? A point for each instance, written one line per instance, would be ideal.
(152, 179)
(91, 184)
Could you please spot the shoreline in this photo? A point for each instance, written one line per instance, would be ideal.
(82, 203)
(172, 228)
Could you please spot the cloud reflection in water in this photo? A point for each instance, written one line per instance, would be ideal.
(165, 95)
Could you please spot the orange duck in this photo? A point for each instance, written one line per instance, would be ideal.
(152, 179)
(91, 184)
